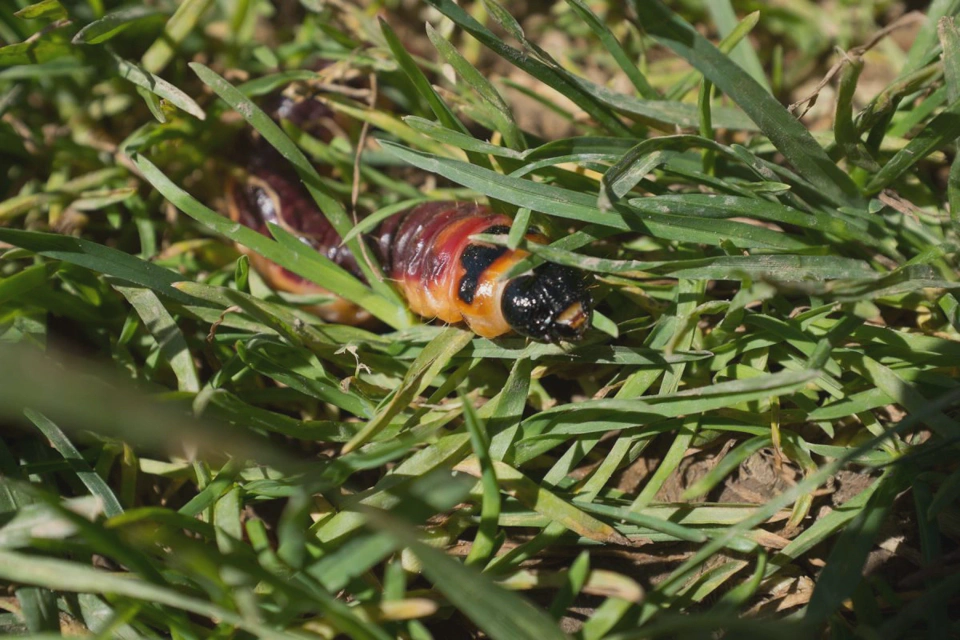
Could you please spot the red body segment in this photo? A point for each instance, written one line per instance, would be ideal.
(420, 249)
(424, 258)
(427, 251)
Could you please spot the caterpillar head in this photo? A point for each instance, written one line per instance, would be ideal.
(551, 304)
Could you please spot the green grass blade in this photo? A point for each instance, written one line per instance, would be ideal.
(35, 52)
(811, 481)
(484, 543)
(19, 284)
(178, 27)
(613, 46)
(581, 207)
(926, 40)
(545, 502)
(512, 134)
(786, 133)
(330, 207)
(666, 115)
(420, 82)
(61, 575)
(99, 258)
(173, 346)
(114, 23)
(782, 268)
(942, 130)
(85, 388)
(671, 460)
(460, 140)
(89, 477)
(428, 364)
(950, 41)
(844, 567)
(740, 31)
(743, 54)
(300, 370)
(501, 614)
(332, 276)
(39, 609)
(43, 10)
(554, 77)
(844, 130)
(157, 85)
(213, 491)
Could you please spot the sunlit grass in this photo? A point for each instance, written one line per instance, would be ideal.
(767, 403)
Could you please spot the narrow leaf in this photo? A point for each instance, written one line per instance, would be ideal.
(786, 133)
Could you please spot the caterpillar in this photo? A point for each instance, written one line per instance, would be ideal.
(427, 251)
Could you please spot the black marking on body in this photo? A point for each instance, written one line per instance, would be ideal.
(476, 259)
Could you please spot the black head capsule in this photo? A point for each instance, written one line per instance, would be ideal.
(551, 304)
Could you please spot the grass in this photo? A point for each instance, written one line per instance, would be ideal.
(758, 436)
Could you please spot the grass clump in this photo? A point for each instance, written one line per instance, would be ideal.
(756, 437)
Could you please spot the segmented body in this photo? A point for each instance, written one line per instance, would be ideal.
(426, 250)
(441, 271)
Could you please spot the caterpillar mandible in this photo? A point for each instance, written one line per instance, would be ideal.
(427, 251)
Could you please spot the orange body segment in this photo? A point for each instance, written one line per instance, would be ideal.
(431, 276)
(427, 251)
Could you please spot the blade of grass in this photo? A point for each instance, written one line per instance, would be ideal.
(484, 542)
(43, 10)
(565, 203)
(949, 34)
(459, 140)
(133, 416)
(157, 85)
(743, 53)
(89, 477)
(574, 580)
(173, 346)
(428, 364)
(788, 497)
(330, 275)
(16, 286)
(420, 82)
(512, 134)
(61, 575)
(99, 258)
(514, 349)
(926, 40)
(33, 52)
(671, 460)
(844, 130)
(501, 614)
(181, 23)
(843, 570)
(665, 115)
(534, 496)
(613, 46)
(902, 391)
(300, 370)
(39, 609)
(942, 130)
(114, 23)
(556, 78)
(740, 31)
(787, 134)
(330, 207)
(782, 268)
